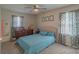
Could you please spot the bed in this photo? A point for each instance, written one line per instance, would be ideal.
(34, 44)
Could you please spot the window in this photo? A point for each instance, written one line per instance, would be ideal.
(17, 21)
(70, 28)
(68, 23)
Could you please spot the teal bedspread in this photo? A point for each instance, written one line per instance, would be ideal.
(35, 43)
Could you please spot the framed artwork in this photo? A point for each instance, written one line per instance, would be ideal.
(43, 19)
(47, 18)
(51, 18)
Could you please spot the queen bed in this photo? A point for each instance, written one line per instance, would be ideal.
(34, 44)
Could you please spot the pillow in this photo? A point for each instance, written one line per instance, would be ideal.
(43, 33)
(51, 34)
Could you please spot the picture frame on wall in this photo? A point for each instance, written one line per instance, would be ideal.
(42, 19)
(47, 18)
(51, 18)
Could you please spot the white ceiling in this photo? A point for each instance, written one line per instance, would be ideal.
(20, 7)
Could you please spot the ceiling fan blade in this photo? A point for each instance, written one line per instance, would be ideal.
(28, 7)
(42, 8)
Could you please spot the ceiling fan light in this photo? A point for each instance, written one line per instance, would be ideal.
(36, 10)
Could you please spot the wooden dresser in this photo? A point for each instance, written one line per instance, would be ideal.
(23, 32)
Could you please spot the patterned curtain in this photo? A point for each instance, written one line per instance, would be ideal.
(62, 29)
(70, 28)
(76, 37)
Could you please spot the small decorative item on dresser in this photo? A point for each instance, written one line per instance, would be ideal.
(37, 31)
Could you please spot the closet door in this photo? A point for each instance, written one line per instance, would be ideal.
(0, 31)
(0, 24)
(5, 25)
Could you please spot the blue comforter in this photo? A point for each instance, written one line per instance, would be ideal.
(35, 43)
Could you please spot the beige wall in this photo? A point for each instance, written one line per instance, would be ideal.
(56, 13)
(7, 15)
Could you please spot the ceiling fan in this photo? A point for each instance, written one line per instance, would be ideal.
(36, 8)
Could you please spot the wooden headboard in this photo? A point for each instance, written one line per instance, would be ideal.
(49, 29)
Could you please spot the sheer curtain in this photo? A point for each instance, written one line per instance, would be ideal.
(17, 21)
(70, 28)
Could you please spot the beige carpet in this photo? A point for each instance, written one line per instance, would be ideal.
(11, 48)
